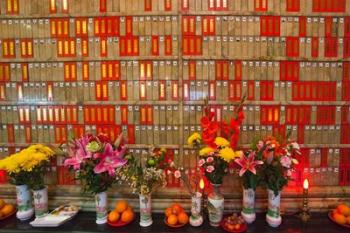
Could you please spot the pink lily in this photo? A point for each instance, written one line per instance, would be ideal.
(110, 160)
(78, 152)
(248, 163)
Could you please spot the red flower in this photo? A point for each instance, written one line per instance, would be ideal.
(205, 122)
(103, 138)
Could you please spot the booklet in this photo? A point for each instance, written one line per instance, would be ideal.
(57, 217)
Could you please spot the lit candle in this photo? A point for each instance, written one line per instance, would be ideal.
(305, 215)
(306, 186)
(201, 186)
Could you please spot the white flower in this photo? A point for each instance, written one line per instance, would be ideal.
(295, 145)
(286, 161)
(177, 174)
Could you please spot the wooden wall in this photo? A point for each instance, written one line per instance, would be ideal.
(145, 66)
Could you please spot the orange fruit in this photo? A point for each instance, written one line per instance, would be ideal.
(121, 206)
(183, 218)
(348, 220)
(168, 211)
(339, 218)
(2, 203)
(7, 209)
(127, 216)
(172, 220)
(177, 209)
(129, 209)
(113, 216)
(344, 210)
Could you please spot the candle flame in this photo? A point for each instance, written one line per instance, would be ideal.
(201, 184)
(306, 184)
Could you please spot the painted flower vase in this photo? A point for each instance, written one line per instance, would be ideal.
(248, 211)
(273, 216)
(145, 210)
(101, 207)
(196, 218)
(215, 206)
(40, 202)
(24, 203)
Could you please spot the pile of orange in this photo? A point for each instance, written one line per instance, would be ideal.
(341, 214)
(176, 215)
(122, 212)
(5, 208)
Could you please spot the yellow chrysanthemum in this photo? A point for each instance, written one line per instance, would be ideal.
(206, 150)
(228, 154)
(27, 159)
(220, 141)
(194, 138)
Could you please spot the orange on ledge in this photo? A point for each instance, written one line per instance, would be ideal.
(122, 212)
(183, 218)
(121, 206)
(7, 209)
(172, 220)
(339, 218)
(127, 215)
(343, 209)
(113, 216)
(175, 215)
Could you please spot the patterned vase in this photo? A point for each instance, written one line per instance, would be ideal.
(145, 210)
(273, 216)
(24, 203)
(248, 211)
(196, 218)
(101, 207)
(215, 206)
(40, 202)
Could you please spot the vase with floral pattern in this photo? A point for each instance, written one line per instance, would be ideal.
(24, 203)
(145, 210)
(215, 206)
(40, 202)
(273, 216)
(101, 207)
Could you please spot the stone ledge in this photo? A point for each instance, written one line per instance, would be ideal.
(321, 199)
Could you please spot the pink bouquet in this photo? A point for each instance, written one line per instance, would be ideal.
(94, 159)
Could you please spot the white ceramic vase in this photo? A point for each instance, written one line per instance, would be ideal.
(145, 210)
(40, 202)
(101, 207)
(196, 218)
(215, 206)
(273, 216)
(248, 211)
(24, 203)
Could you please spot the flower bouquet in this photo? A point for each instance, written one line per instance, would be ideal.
(94, 159)
(144, 177)
(279, 160)
(26, 170)
(219, 140)
(250, 180)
